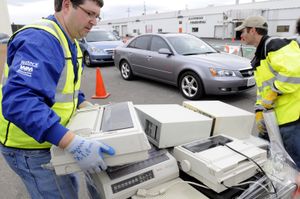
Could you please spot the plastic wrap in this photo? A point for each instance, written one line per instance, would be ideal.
(280, 168)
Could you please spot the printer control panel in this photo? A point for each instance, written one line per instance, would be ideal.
(130, 182)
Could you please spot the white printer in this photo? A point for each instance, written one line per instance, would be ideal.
(216, 165)
(174, 189)
(168, 125)
(114, 124)
(227, 119)
(124, 181)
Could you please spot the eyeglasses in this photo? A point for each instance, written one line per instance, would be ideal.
(91, 14)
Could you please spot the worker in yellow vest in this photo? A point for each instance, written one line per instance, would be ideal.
(277, 74)
(40, 90)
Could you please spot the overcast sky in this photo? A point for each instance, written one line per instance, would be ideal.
(26, 11)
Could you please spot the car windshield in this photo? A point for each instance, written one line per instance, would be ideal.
(95, 36)
(190, 45)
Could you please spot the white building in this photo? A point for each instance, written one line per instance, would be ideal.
(212, 22)
(5, 26)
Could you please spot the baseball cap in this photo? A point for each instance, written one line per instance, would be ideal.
(253, 22)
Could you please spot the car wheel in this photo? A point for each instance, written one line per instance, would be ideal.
(191, 86)
(87, 59)
(126, 71)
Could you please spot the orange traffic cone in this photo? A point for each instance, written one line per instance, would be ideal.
(100, 92)
(226, 48)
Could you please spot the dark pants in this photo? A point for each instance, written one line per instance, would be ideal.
(291, 140)
(40, 182)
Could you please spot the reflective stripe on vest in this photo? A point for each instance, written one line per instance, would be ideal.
(66, 96)
(275, 76)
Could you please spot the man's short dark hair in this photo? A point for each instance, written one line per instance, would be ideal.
(259, 31)
(298, 26)
(58, 3)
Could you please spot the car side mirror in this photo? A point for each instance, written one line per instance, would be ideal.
(165, 51)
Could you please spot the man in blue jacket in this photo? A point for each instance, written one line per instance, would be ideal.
(40, 91)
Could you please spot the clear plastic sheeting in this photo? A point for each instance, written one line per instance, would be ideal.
(92, 190)
(263, 189)
(280, 168)
(76, 186)
(276, 145)
(280, 164)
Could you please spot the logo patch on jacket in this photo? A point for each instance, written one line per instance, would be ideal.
(27, 67)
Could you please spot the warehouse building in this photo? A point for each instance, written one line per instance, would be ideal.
(4, 22)
(212, 22)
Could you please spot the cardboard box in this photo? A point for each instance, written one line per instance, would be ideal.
(3, 52)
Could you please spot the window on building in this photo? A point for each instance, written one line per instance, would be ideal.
(142, 42)
(158, 43)
(283, 28)
(180, 22)
(159, 30)
(194, 29)
(134, 31)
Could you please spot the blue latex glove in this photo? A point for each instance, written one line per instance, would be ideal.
(88, 153)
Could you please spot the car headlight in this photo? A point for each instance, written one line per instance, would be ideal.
(96, 50)
(218, 72)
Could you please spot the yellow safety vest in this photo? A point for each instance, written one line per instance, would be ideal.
(66, 96)
(280, 71)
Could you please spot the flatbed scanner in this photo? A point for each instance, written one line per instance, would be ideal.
(116, 125)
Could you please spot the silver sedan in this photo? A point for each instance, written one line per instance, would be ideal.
(184, 61)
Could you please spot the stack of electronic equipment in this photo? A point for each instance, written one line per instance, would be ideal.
(167, 126)
(209, 139)
(135, 165)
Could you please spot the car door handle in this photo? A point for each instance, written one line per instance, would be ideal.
(149, 57)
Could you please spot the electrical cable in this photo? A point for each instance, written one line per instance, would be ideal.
(260, 168)
(233, 187)
(253, 182)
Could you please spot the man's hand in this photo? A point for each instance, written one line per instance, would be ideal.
(269, 99)
(260, 123)
(88, 153)
(261, 126)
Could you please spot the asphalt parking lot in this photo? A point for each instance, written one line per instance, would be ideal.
(143, 91)
(139, 91)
